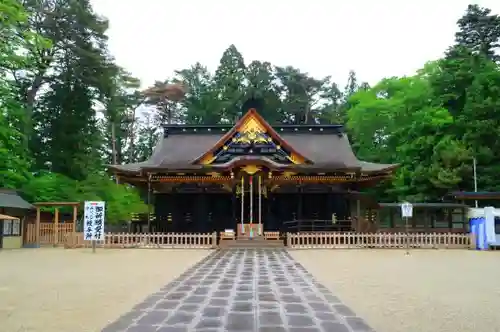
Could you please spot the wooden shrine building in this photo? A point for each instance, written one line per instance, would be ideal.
(205, 178)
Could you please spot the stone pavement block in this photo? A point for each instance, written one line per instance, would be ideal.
(300, 321)
(304, 329)
(278, 328)
(358, 324)
(117, 326)
(334, 327)
(142, 328)
(209, 323)
(240, 322)
(270, 318)
(246, 290)
(343, 310)
(153, 317)
(173, 329)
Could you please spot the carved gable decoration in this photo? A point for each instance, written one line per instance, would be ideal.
(251, 136)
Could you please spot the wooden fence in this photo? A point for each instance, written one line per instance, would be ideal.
(64, 234)
(49, 233)
(146, 240)
(379, 240)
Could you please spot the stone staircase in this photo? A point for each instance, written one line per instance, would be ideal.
(248, 243)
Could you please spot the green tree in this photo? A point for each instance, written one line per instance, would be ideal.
(301, 94)
(479, 31)
(261, 78)
(201, 104)
(49, 94)
(16, 40)
(121, 200)
(122, 99)
(148, 135)
(397, 121)
(230, 84)
(66, 138)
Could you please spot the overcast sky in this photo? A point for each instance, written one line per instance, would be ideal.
(376, 38)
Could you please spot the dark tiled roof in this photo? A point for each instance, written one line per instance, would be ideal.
(10, 199)
(424, 205)
(326, 150)
(470, 195)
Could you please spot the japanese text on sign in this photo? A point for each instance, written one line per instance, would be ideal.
(93, 225)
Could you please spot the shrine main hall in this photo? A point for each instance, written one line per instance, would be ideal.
(255, 177)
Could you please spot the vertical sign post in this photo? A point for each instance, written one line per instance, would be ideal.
(242, 204)
(251, 206)
(260, 206)
(93, 222)
(407, 212)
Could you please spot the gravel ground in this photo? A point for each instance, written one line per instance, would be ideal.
(427, 291)
(58, 290)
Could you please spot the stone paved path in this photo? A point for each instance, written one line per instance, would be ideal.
(242, 290)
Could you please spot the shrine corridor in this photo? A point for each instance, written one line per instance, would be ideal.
(242, 290)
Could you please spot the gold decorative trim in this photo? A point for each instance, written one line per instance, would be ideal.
(288, 174)
(251, 128)
(214, 174)
(193, 179)
(251, 169)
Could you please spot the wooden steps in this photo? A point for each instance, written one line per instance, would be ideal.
(256, 242)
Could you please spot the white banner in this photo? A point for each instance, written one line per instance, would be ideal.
(406, 210)
(93, 221)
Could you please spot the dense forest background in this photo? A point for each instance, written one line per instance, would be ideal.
(67, 109)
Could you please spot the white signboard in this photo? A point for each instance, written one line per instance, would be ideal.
(93, 224)
(406, 210)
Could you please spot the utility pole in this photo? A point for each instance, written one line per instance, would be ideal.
(475, 178)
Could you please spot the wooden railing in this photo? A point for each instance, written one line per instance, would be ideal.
(227, 236)
(272, 235)
(379, 240)
(149, 240)
(302, 240)
(49, 234)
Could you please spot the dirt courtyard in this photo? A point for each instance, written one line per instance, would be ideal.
(427, 291)
(58, 290)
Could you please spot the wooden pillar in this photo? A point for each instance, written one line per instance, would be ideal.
(37, 226)
(149, 202)
(358, 201)
(358, 208)
(176, 213)
(426, 220)
(260, 231)
(330, 207)
(300, 203)
(74, 240)
(465, 221)
(242, 212)
(392, 224)
(450, 219)
(234, 205)
(270, 221)
(201, 224)
(56, 226)
(22, 224)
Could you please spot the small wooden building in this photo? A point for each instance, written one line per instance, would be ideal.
(14, 205)
(471, 198)
(427, 217)
(13, 210)
(205, 178)
(11, 236)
